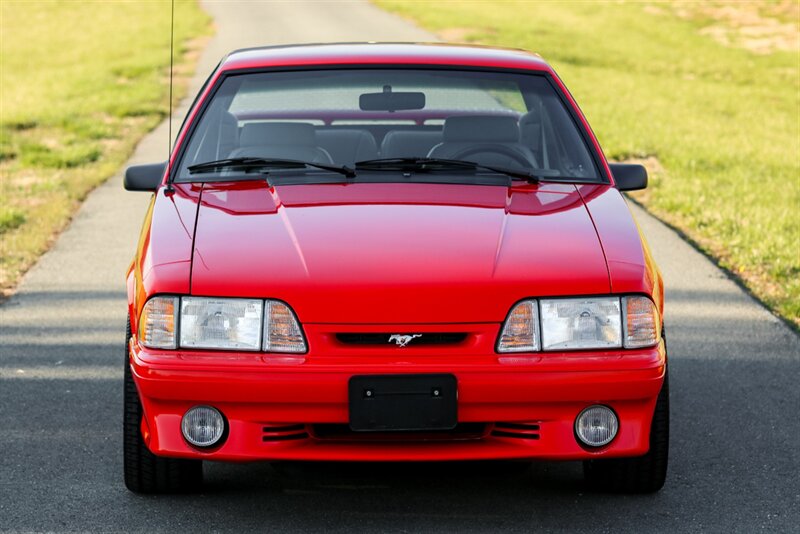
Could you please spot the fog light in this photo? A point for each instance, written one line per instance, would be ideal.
(203, 426)
(596, 426)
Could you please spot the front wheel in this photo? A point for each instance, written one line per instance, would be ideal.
(144, 471)
(644, 474)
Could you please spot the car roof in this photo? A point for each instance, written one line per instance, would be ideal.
(382, 54)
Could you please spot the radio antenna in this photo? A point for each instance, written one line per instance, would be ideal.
(169, 188)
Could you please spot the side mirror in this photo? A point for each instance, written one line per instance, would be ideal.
(629, 176)
(144, 177)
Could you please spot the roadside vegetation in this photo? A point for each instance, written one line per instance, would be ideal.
(707, 94)
(80, 84)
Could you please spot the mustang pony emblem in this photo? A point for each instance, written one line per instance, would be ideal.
(402, 340)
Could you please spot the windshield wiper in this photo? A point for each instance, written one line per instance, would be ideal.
(253, 163)
(440, 164)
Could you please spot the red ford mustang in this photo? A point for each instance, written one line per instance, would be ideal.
(386, 252)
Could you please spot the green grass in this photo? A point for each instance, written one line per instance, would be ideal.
(721, 122)
(80, 84)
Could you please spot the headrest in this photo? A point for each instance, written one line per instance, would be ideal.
(531, 117)
(278, 133)
(481, 128)
(229, 118)
(350, 136)
(411, 135)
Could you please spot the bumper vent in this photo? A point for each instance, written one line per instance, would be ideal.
(425, 338)
(283, 432)
(516, 430)
(462, 431)
(342, 432)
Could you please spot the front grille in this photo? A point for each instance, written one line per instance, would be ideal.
(425, 338)
(338, 432)
(516, 430)
(283, 432)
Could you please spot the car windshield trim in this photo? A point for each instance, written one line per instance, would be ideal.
(306, 176)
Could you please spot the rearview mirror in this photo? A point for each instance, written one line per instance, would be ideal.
(629, 176)
(389, 101)
(144, 177)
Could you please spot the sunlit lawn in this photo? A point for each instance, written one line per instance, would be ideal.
(710, 94)
(80, 83)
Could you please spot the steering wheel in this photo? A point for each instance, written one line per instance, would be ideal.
(493, 149)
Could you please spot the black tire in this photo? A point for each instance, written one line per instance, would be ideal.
(643, 474)
(144, 471)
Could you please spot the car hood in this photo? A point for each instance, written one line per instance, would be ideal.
(396, 253)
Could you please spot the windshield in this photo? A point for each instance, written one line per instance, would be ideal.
(345, 116)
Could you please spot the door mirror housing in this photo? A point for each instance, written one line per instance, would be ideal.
(629, 176)
(144, 177)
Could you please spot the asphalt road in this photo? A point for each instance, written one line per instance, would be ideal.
(734, 374)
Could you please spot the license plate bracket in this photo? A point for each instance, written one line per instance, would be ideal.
(403, 403)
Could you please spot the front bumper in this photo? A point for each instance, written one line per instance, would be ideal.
(298, 410)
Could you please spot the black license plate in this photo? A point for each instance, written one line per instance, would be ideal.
(403, 402)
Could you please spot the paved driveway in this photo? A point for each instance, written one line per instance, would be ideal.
(734, 374)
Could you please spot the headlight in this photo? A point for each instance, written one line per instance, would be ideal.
(220, 323)
(580, 323)
(157, 323)
(586, 323)
(212, 323)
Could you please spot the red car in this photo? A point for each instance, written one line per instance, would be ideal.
(391, 252)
